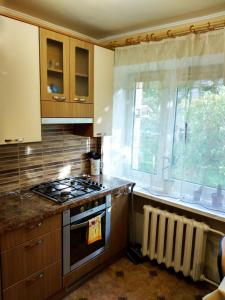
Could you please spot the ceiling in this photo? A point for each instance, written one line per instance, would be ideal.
(104, 18)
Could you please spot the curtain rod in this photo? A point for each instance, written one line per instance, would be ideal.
(171, 33)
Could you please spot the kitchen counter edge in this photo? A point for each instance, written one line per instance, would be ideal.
(28, 209)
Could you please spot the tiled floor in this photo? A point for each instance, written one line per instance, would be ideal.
(125, 281)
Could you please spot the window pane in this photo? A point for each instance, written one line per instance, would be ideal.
(146, 127)
(199, 143)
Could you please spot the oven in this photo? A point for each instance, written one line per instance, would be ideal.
(77, 249)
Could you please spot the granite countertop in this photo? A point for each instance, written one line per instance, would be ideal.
(26, 209)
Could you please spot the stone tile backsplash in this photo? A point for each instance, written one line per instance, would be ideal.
(61, 153)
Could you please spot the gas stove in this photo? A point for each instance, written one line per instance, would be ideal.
(67, 189)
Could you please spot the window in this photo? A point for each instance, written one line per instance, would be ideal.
(146, 128)
(169, 118)
(199, 134)
(192, 166)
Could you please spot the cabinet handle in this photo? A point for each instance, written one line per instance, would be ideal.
(59, 98)
(18, 140)
(75, 99)
(34, 279)
(99, 134)
(117, 195)
(34, 244)
(82, 99)
(33, 226)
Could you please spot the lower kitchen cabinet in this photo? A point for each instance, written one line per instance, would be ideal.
(40, 285)
(30, 257)
(31, 266)
(119, 221)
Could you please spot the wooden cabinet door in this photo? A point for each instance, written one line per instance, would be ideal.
(39, 286)
(119, 221)
(81, 71)
(54, 53)
(30, 257)
(103, 91)
(20, 119)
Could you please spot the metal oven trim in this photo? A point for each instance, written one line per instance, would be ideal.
(66, 249)
(87, 213)
(87, 258)
(67, 222)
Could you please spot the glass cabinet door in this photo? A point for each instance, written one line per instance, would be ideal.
(81, 71)
(54, 49)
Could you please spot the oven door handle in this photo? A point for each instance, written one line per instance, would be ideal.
(76, 226)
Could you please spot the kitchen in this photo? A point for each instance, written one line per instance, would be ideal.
(66, 224)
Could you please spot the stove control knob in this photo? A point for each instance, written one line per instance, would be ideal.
(96, 183)
(101, 186)
(82, 209)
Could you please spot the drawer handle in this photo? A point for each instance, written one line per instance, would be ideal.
(34, 279)
(82, 99)
(75, 99)
(19, 140)
(34, 244)
(33, 226)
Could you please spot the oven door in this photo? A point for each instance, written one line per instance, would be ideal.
(76, 250)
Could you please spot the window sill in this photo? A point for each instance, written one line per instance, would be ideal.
(195, 208)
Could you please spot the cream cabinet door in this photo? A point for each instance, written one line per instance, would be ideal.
(103, 90)
(20, 119)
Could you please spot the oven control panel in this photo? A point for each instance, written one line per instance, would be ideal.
(87, 206)
(86, 209)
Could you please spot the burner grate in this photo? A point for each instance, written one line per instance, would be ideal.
(68, 188)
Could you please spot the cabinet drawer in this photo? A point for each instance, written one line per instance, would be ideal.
(30, 257)
(39, 286)
(16, 237)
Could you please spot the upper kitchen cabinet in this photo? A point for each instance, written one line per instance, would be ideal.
(66, 77)
(103, 93)
(103, 90)
(54, 51)
(19, 82)
(81, 71)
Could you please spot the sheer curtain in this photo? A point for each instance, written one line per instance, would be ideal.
(169, 118)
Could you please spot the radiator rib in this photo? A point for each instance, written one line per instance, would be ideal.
(175, 240)
(188, 248)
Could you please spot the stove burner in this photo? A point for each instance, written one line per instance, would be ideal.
(64, 194)
(67, 189)
(59, 186)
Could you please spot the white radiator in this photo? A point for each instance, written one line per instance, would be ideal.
(177, 241)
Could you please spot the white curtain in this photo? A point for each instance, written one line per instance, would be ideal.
(169, 118)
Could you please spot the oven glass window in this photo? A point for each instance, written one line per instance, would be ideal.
(79, 247)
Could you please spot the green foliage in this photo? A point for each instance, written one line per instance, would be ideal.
(201, 158)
